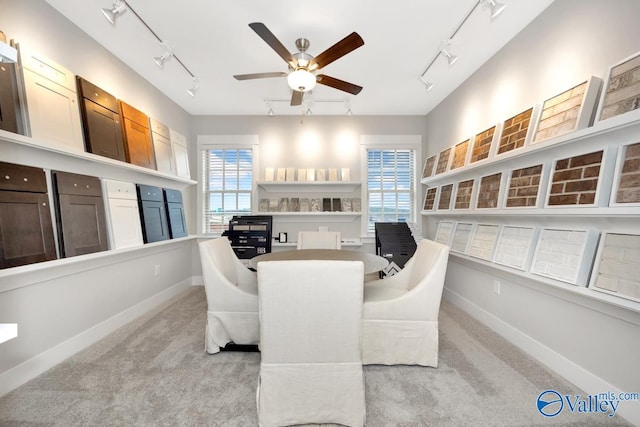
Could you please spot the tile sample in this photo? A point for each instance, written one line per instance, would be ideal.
(482, 145)
(523, 187)
(460, 155)
(560, 113)
(514, 131)
(628, 190)
(429, 164)
(563, 255)
(489, 192)
(616, 268)
(462, 237)
(623, 89)
(575, 180)
(445, 197)
(443, 161)
(483, 242)
(463, 194)
(514, 246)
(444, 232)
(430, 199)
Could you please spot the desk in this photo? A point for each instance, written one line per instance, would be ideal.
(372, 263)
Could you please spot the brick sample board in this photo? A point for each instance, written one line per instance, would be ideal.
(514, 246)
(628, 189)
(482, 145)
(524, 185)
(514, 132)
(444, 201)
(26, 230)
(622, 93)
(564, 255)
(489, 193)
(430, 199)
(460, 155)
(616, 266)
(483, 242)
(429, 165)
(575, 180)
(443, 161)
(444, 232)
(464, 192)
(462, 237)
(123, 218)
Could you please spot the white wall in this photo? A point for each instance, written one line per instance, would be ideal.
(594, 345)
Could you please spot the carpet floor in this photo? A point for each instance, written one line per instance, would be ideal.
(154, 372)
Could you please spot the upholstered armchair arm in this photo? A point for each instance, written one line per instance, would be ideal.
(399, 280)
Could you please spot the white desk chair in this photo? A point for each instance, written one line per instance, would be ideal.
(232, 297)
(310, 324)
(319, 240)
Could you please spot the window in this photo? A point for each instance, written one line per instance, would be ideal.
(227, 186)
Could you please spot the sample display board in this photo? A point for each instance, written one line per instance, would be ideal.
(175, 213)
(152, 213)
(162, 146)
(9, 102)
(125, 229)
(137, 136)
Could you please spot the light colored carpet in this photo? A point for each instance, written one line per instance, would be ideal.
(154, 372)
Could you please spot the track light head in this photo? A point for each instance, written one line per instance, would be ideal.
(427, 84)
(451, 59)
(160, 60)
(118, 7)
(194, 87)
(495, 8)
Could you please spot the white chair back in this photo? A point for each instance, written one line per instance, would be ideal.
(319, 240)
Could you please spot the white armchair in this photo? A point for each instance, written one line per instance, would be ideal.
(400, 313)
(232, 297)
(310, 327)
(319, 240)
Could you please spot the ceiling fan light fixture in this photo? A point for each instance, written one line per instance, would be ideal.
(301, 80)
(112, 13)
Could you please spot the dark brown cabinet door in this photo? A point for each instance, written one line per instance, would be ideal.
(26, 231)
(81, 215)
(137, 137)
(153, 214)
(9, 103)
(101, 121)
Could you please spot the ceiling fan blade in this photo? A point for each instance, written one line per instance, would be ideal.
(338, 84)
(296, 98)
(273, 41)
(259, 75)
(337, 51)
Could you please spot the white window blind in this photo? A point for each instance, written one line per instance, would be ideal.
(227, 186)
(390, 186)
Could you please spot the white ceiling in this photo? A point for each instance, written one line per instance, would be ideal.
(214, 41)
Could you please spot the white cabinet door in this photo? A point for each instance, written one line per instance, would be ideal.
(123, 217)
(51, 101)
(162, 147)
(180, 154)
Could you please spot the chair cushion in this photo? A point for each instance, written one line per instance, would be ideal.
(373, 293)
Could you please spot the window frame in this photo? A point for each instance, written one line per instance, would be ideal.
(389, 142)
(224, 142)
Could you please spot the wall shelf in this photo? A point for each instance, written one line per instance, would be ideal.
(313, 216)
(309, 186)
(582, 212)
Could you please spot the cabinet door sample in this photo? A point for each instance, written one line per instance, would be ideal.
(137, 136)
(9, 102)
(101, 121)
(81, 219)
(51, 101)
(175, 213)
(153, 214)
(180, 154)
(123, 217)
(26, 230)
(162, 147)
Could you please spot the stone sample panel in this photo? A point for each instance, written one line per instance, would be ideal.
(514, 131)
(460, 155)
(463, 194)
(629, 180)
(482, 145)
(623, 89)
(617, 265)
(484, 241)
(430, 199)
(514, 246)
(443, 161)
(445, 197)
(429, 164)
(523, 187)
(462, 237)
(575, 180)
(489, 193)
(563, 255)
(444, 232)
(560, 113)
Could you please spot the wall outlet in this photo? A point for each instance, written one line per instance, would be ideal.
(496, 287)
(157, 270)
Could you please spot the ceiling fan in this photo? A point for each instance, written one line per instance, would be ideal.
(302, 75)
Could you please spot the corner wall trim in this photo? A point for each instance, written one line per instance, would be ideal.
(26, 371)
(548, 357)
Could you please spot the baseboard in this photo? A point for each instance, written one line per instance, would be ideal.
(15, 377)
(555, 361)
(197, 281)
